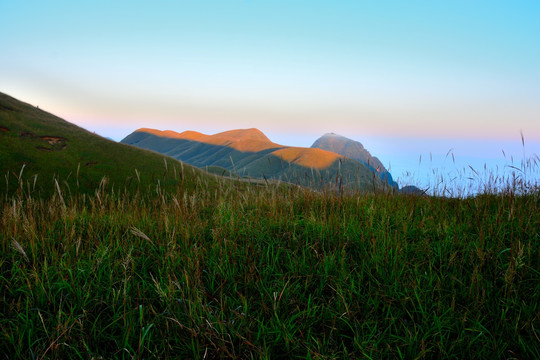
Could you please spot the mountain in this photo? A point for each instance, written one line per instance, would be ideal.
(38, 148)
(248, 152)
(353, 150)
(412, 190)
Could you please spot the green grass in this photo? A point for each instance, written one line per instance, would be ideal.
(140, 256)
(81, 160)
(268, 272)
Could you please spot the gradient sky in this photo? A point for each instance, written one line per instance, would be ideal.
(405, 78)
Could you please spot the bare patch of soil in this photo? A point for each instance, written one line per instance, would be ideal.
(57, 143)
(54, 140)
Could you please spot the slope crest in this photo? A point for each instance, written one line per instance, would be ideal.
(40, 146)
(242, 135)
(307, 157)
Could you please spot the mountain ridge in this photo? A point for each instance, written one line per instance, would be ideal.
(248, 152)
(354, 150)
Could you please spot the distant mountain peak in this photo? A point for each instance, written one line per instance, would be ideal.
(161, 133)
(191, 135)
(343, 146)
(353, 150)
(243, 135)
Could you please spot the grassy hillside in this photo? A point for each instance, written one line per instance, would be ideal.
(269, 273)
(223, 269)
(250, 153)
(43, 148)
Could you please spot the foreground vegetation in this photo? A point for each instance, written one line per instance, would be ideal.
(39, 149)
(267, 272)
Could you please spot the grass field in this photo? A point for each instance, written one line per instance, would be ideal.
(230, 271)
(108, 251)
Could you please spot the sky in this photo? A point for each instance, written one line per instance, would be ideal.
(408, 79)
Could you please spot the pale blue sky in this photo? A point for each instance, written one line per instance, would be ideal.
(405, 71)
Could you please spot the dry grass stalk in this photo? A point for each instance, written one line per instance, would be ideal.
(15, 244)
(140, 234)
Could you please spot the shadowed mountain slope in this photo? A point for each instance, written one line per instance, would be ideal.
(353, 150)
(248, 152)
(40, 148)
